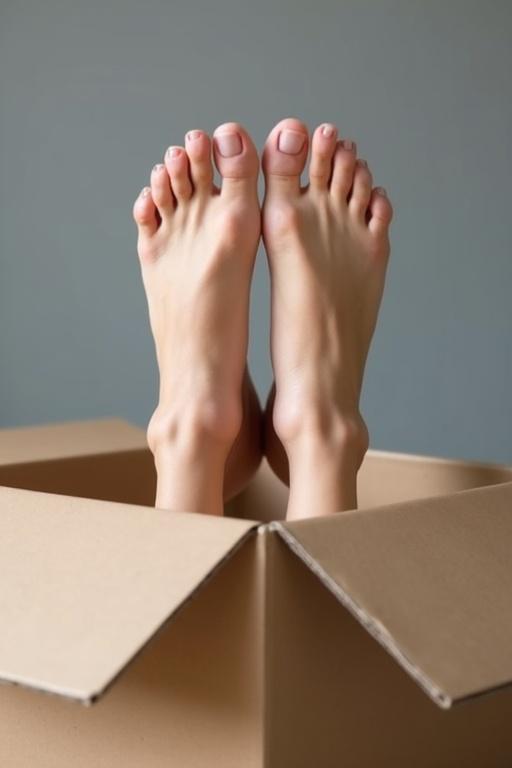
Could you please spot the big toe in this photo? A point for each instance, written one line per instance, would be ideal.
(236, 157)
(284, 156)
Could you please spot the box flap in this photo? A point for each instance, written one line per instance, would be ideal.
(70, 439)
(390, 478)
(431, 580)
(86, 584)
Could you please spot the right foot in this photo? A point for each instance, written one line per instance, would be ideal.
(197, 245)
(328, 249)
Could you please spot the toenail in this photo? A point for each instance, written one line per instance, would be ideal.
(174, 152)
(158, 168)
(290, 142)
(228, 144)
(349, 145)
(328, 130)
(362, 163)
(193, 135)
(145, 192)
(381, 191)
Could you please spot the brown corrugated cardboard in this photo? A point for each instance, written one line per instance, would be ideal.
(335, 698)
(192, 698)
(69, 440)
(389, 478)
(429, 581)
(105, 459)
(80, 569)
(303, 644)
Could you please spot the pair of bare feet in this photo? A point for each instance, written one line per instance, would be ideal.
(327, 246)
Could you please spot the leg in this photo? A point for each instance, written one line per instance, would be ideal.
(197, 245)
(328, 249)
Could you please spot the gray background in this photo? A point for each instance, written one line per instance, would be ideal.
(93, 92)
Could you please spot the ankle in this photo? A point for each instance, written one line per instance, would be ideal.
(193, 428)
(342, 450)
(323, 466)
(342, 437)
(190, 461)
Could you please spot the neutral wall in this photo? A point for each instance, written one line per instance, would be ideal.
(92, 93)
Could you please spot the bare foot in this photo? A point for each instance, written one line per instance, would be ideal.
(328, 249)
(197, 246)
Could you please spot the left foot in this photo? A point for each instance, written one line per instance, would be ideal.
(197, 245)
(328, 249)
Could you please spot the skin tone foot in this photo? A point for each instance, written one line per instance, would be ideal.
(197, 245)
(328, 249)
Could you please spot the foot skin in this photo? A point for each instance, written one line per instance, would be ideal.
(328, 249)
(197, 245)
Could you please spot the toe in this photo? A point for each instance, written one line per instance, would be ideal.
(323, 146)
(236, 158)
(285, 155)
(343, 169)
(199, 152)
(361, 189)
(161, 190)
(176, 162)
(144, 213)
(381, 212)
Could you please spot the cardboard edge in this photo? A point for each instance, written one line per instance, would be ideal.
(369, 623)
(74, 457)
(93, 697)
(428, 459)
(136, 441)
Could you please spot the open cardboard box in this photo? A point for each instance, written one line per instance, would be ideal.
(362, 639)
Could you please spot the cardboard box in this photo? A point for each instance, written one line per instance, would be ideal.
(379, 637)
